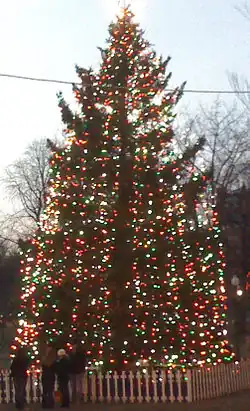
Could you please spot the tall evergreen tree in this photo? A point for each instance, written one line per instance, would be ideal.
(128, 255)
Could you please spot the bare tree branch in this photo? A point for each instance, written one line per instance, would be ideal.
(237, 82)
(227, 148)
(244, 9)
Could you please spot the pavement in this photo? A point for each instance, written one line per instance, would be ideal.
(237, 402)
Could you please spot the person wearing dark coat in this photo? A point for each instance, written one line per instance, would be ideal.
(62, 369)
(77, 361)
(18, 371)
(48, 362)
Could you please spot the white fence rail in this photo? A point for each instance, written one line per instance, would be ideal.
(158, 386)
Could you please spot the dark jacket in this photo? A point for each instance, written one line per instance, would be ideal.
(19, 366)
(62, 369)
(48, 372)
(48, 363)
(77, 362)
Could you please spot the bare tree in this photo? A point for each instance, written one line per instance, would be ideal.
(227, 143)
(25, 182)
(240, 84)
(244, 9)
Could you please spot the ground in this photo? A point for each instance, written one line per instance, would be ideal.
(237, 402)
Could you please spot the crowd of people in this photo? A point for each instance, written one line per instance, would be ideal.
(68, 368)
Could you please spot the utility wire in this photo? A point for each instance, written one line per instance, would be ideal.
(56, 81)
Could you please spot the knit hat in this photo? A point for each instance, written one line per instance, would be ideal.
(61, 353)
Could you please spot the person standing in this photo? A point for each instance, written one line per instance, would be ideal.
(18, 371)
(77, 369)
(62, 371)
(48, 377)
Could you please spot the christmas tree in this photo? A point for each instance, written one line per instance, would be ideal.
(128, 254)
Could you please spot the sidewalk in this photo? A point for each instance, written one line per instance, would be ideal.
(237, 402)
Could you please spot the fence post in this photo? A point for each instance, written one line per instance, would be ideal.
(189, 379)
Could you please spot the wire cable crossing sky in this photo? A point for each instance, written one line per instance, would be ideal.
(57, 81)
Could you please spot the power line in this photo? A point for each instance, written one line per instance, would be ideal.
(56, 81)
(44, 80)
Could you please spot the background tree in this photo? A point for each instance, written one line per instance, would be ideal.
(128, 255)
(25, 183)
(226, 131)
(239, 83)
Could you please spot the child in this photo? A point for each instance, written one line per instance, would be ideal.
(62, 369)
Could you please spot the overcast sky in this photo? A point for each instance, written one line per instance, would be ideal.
(45, 38)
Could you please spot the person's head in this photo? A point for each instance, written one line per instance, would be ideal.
(61, 353)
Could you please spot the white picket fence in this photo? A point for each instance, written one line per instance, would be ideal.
(155, 387)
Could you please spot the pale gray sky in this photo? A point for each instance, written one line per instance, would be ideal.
(45, 38)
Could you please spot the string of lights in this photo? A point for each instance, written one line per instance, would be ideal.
(57, 81)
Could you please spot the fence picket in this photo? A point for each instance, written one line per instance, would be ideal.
(188, 378)
(85, 388)
(154, 382)
(139, 382)
(194, 385)
(108, 377)
(123, 377)
(35, 382)
(93, 387)
(217, 381)
(146, 379)
(179, 386)
(7, 386)
(171, 386)
(116, 378)
(100, 382)
(163, 386)
(131, 386)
